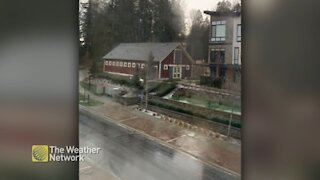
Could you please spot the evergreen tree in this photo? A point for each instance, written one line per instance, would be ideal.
(197, 40)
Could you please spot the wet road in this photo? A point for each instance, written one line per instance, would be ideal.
(130, 156)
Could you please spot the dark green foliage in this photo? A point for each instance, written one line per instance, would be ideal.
(209, 81)
(217, 83)
(105, 24)
(135, 81)
(226, 6)
(164, 88)
(180, 110)
(197, 40)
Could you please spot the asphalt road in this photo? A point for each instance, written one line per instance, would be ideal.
(131, 156)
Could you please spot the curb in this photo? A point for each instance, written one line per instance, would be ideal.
(109, 119)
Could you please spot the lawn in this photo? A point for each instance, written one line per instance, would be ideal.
(207, 104)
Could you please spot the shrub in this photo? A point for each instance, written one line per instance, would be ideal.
(174, 108)
(208, 81)
(164, 88)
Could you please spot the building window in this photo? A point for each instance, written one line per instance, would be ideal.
(124, 64)
(239, 32)
(177, 56)
(187, 67)
(217, 56)
(133, 65)
(236, 55)
(142, 65)
(113, 63)
(106, 63)
(110, 63)
(218, 31)
(165, 67)
(177, 72)
(117, 63)
(121, 64)
(129, 65)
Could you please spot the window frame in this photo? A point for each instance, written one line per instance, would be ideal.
(133, 65)
(177, 72)
(121, 64)
(214, 26)
(236, 61)
(239, 37)
(217, 50)
(165, 67)
(129, 64)
(125, 64)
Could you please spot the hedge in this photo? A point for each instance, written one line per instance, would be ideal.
(174, 108)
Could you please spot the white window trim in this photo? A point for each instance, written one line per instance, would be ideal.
(133, 65)
(165, 67)
(177, 75)
(142, 65)
(129, 64)
(121, 64)
(237, 36)
(124, 64)
(188, 67)
(218, 38)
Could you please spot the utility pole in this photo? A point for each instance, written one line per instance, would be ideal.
(230, 118)
(147, 76)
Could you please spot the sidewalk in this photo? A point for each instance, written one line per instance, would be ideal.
(214, 151)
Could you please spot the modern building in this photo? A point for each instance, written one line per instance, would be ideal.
(225, 47)
(171, 61)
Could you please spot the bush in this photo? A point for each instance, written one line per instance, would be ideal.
(164, 88)
(214, 119)
(208, 81)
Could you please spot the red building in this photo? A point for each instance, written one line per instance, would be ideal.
(171, 61)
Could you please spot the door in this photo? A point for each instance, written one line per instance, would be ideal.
(177, 72)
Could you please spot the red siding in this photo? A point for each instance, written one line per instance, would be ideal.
(169, 60)
(164, 73)
(118, 69)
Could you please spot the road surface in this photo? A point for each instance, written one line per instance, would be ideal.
(130, 156)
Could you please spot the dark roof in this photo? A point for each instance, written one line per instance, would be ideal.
(216, 13)
(140, 51)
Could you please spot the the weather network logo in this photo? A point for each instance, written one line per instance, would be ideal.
(40, 153)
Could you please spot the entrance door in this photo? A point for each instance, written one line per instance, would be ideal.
(177, 72)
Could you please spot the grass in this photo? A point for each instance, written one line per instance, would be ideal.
(92, 102)
(207, 104)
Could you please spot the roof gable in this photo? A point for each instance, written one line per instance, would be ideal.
(140, 51)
